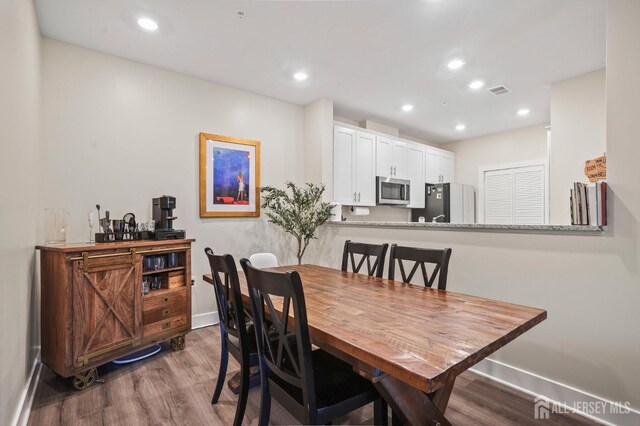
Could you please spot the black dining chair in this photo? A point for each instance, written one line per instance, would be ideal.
(421, 257)
(314, 386)
(378, 251)
(236, 330)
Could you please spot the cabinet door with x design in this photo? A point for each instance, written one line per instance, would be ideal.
(106, 308)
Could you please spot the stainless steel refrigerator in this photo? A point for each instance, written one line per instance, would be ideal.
(449, 203)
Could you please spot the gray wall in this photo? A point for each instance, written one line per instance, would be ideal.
(19, 105)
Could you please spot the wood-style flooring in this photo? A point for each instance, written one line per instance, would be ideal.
(176, 387)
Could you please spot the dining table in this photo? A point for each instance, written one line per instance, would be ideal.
(411, 341)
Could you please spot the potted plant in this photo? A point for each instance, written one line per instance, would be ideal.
(298, 210)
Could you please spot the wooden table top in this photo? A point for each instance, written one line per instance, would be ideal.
(421, 336)
(77, 247)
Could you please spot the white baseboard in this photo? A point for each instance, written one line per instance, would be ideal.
(21, 416)
(204, 320)
(559, 394)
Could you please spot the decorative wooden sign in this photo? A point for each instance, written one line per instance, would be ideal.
(596, 169)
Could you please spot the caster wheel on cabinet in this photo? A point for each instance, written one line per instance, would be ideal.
(177, 343)
(85, 379)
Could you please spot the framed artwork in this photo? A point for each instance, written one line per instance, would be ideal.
(229, 176)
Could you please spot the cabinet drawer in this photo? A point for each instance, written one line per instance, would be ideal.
(164, 326)
(167, 305)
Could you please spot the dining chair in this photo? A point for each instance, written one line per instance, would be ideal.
(236, 332)
(263, 260)
(421, 257)
(366, 251)
(314, 386)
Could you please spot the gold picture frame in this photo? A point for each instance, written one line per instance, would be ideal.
(229, 176)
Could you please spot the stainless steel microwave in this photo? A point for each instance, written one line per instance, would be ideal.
(392, 190)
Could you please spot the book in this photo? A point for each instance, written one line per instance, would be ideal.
(603, 203)
(571, 207)
(584, 212)
(592, 204)
(588, 203)
(576, 203)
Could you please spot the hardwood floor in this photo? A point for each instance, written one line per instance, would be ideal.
(176, 388)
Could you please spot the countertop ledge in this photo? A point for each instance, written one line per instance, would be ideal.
(548, 229)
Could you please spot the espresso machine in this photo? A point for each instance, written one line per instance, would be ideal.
(163, 217)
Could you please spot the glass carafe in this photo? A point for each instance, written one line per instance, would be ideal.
(56, 222)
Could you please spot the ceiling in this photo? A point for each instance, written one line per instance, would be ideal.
(369, 57)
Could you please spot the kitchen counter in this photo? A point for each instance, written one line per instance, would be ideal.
(553, 229)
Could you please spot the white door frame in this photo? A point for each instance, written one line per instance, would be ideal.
(482, 170)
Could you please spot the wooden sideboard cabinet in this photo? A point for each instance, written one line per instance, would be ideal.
(93, 307)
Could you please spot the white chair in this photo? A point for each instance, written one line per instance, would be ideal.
(263, 260)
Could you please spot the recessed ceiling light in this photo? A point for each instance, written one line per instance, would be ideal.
(300, 76)
(148, 24)
(455, 64)
(460, 127)
(523, 112)
(407, 107)
(476, 84)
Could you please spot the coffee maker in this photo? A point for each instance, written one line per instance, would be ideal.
(163, 217)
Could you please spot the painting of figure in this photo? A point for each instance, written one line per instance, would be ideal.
(229, 176)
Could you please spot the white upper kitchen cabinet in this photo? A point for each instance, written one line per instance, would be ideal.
(446, 166)
(354, 167)
(439, 166)
(432, 165)
(391, 158)
(365, 166)
(415, 173)
(399, 155)
(384, 147)
(344, 147)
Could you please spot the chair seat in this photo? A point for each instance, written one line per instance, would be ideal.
(335, 381)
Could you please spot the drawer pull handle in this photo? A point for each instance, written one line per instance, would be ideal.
(166, 325)
(165, 299)
(166, 312)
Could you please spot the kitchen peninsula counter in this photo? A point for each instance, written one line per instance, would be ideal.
(553, 229)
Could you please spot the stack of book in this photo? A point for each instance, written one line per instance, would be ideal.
(589, 204)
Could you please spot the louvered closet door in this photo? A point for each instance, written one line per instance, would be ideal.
(529, 187)
(498, 197)
(515, 196)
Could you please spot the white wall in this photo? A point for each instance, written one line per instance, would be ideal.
(590, 285)
(578, 133)
(318, 145)
(119, 133)
(513, 146)
(19, 106)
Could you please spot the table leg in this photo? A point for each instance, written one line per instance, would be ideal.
(254, 380)
(413, 407)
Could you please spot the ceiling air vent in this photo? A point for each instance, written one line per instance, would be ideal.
(499, 90)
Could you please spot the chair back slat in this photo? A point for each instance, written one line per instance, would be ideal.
(228, 296)
(367, 251)
(421, 258)
(284, 345)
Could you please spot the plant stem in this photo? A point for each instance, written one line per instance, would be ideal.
(300, 251)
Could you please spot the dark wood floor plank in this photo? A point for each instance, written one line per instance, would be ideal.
(174, 388)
